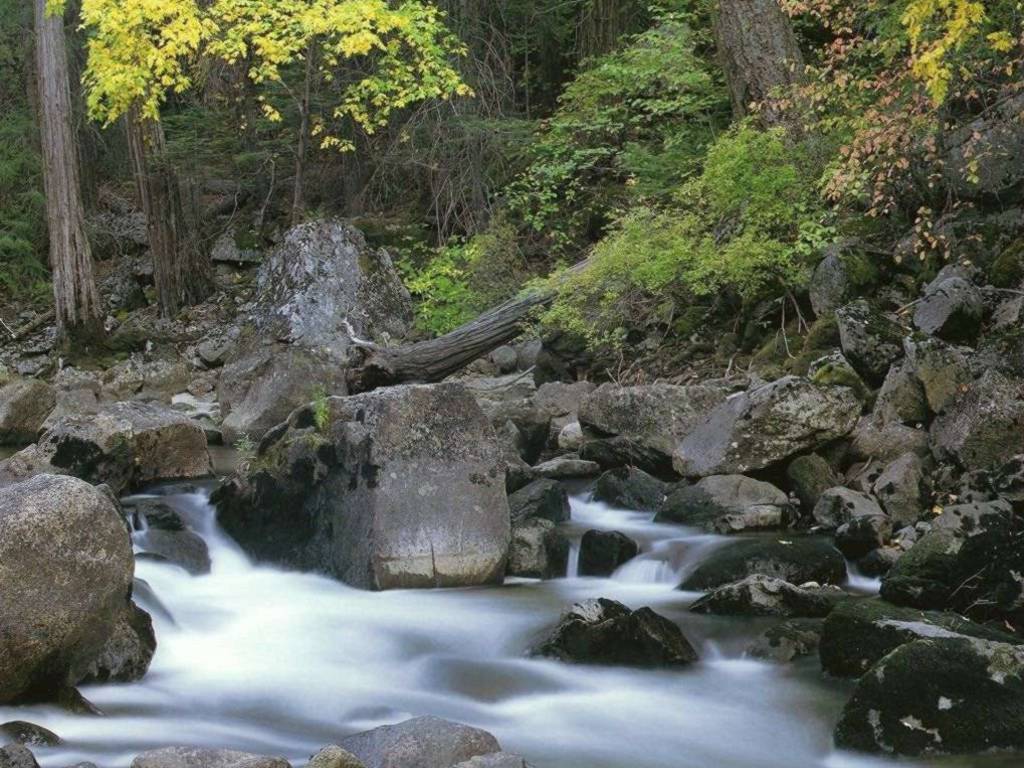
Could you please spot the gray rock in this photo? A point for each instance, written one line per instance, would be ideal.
(615, 452)
(17, 756)
(787, 641)
(505, 359)
(56, 620)
(123, 445)
(797, 560)
(728, 504)
(901, 400)
(863, 535)
(809, 477)
(334, 757)
(943, 371)
(570, 437)
(952, 310)
(759, 595)
(879, 562)
(838, 506)
(126, 656)
(538, 550)
(603, 631)
(558, 399)
(830, 285)
(198, 757)
(543, 498)
(656, 416)
(141, 379)
(765, 426)
(984, 428)
(497, 760)
(567, 467)
(24, 406)
(423, 742)
(970, 701)
(903, 490)
(884, 442)
(399, 488)
(602, 552)
(871, 341)
(630, 488)
(28, 734)
(858, 633)
(182, 548)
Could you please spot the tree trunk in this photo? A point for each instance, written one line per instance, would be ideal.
(436, 359)
(76, 300)
(181, 270)
(298, 196)
(759, 53)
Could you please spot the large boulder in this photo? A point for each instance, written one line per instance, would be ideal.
(767, 596)
(797, 560)
(198, 757)
(870, 340)
(656, 416)
(123, 445)
(941, 695)
(952, 310)
(604, 631)
(66, 569)
(24, 406)
(402, 487)
(728, 504)
(767, 425)
(860, 632)
(319, 291)
(423, 742)
(984, 428)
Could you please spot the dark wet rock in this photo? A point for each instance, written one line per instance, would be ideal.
(901, 399)
(870, 340)
(728, 504)
(862, 535)
(185, 549)
(879, 562)
(17, 756)
(24, 406)
(984, 428)
(198, 757)
(810, 476)
(971, 700)
(122, 445)
(969, 558)
(538, 550)
(838, 506)
(126, 655)
(28, 734)
(656, 416)
(765, 426)
(787, 641)
(860, 632)
(797, 560)
(543, 498)
(403, 487)
(903, 490)
(943, 371)
(768, 596)
(56, 619)
(952, 310)
(567, 467)
(630, 488)
(603, 631)
(153, 513)
(602, 552)
(614, 452)
(423, 742)
(334, 756)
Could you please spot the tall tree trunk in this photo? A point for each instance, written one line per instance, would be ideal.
(76, 300)
(759, 53)
(298, 196)
(181, 269)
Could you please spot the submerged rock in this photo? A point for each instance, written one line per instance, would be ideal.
(767, 596)
(942, 695)
(797, 560)
(603, 631)
(728, 504)
(56, 618)
(422, 742)
(787, 641)
(602, 552)
(860, 632)
(399, 488)
(765, 426)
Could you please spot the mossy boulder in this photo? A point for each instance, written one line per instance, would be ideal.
(870, 341)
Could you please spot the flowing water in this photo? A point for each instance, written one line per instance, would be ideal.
(263, 660)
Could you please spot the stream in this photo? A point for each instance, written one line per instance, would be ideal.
(268, 661)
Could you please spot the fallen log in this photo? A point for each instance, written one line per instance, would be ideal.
(435, 359)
